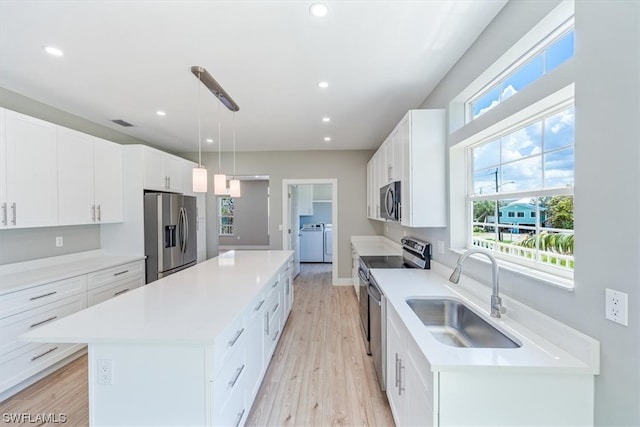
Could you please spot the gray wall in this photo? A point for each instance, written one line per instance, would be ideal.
(348, 167)
(607, 254)
(250, 217)
(27, 244)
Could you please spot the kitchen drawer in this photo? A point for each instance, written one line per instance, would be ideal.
(27, 361)
(106, 276)
(13, 326)
(26, 299)
(119, 287)
(231, 339)
(229, 404)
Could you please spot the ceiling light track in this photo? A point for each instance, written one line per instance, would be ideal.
(207, 79)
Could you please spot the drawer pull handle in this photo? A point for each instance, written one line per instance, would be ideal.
(240, 415)
(266, 321)
(42, 296)
(121, 292)
(44, 354)
(236, 376)
(275, 308)
(275, 284)
(122, 272)
(44, 321)
(233, 341)
(259, 306)
(276, 335)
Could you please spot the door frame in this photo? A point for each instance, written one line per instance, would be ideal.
(286, 217)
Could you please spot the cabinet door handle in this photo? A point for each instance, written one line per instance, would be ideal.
(43, 295)
(275, 308)
(275, 284)
(275, 336)
(120, 272)
(93, 213)
(266, 329)
(14, 209)
(4, 214)
(233, 341)
(44, 321)
(259, 306)
(121, 292)
(239, 418)
(44, 354)
(236, 376)
(99, 213)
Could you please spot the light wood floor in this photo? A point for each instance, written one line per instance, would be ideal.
(319, 375)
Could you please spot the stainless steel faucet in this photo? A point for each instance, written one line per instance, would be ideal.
(496, 301)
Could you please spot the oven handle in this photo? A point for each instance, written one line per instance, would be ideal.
(362, 276)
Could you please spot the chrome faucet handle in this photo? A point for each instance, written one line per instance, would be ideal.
(496, 306)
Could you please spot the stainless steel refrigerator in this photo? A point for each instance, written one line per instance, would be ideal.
(169, 233)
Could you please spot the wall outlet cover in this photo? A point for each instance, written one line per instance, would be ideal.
(617, 306)
(59, 242)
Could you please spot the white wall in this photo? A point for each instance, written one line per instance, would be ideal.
(607, 181)
(348, 167)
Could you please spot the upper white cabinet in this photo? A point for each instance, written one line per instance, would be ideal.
(89, 179)
(414, 154)
(28, 171)
(162, 171)
(305, 199)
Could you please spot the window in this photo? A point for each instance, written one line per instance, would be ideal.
(555, 50)
(529, 168)
(225, 214)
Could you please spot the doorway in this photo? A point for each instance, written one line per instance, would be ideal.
(293, 191)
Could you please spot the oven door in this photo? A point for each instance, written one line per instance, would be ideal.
(364, 308)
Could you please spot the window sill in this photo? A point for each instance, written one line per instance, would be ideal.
(527, 272)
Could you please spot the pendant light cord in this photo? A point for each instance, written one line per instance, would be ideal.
(234, 144)
(219, 138)
(199, 125)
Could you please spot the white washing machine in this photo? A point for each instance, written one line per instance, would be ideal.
(328, 243)
(312, 243)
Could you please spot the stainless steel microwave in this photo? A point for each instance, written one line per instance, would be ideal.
(390, 208)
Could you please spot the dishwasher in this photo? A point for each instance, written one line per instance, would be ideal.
(377, 318)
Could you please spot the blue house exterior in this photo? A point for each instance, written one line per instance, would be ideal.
(520, 213)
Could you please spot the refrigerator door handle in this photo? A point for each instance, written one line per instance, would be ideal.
(182, 230)
(186, 228)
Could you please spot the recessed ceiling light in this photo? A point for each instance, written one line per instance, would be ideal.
(326, 119)
(323, 85)
(161, 113)
(209, 140)
(51, 50)
(327, 138)
(318, 10)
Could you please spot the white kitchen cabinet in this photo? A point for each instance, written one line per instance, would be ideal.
(89, 179)
(414, 154)
(112, 282)
(256, 335)
(162, 171)
(28, 172)
(422, 135)
(305, 199)
(286, 276)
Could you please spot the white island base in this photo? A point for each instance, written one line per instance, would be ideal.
(190, 349)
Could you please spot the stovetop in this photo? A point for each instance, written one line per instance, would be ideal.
(384, 261)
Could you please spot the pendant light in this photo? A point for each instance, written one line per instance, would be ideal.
(234, 184)
(200, 172)
(220, 179)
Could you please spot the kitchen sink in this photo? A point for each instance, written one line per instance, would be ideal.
(454, 324)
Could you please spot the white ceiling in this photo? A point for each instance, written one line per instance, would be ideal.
(128, 59)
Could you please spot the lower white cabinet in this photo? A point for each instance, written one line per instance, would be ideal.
(111, 282)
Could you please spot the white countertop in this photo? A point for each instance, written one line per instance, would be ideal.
(375, 245)
(29, 277)
(537, 353)
(189, 307)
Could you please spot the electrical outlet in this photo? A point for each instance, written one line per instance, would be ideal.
(59, 242)
(441, 247)
(105, 372)
(617, 307)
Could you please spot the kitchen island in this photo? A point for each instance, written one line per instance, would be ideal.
(188, 349)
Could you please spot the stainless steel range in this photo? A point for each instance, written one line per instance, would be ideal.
(415, 254)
